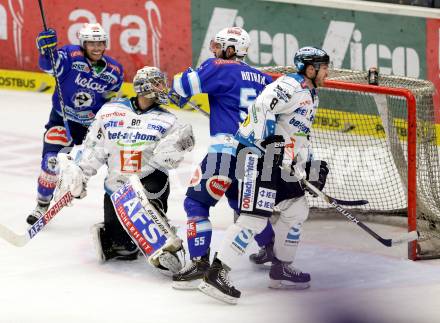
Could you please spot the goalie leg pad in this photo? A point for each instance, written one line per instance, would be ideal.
(146, 225)
(107, 249)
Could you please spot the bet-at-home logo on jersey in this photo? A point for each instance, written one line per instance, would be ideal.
(343, 42)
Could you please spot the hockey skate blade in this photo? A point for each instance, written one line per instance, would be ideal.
(284, 284)
(213, 292)
(186, 285)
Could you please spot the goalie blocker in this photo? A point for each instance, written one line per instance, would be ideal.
(147, 225)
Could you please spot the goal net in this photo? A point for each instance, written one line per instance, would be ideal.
(381, 144)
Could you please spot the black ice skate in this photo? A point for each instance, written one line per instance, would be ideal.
(263, 259)
(284, 276)
(216, 284)
(38, 212)
(106, 249)
(190, 276)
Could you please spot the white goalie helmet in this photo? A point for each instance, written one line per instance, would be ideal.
(236, 37)
(151, 82)
(92, 32)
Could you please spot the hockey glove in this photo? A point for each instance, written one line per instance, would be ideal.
(177, 99)
(71, 177)
(317, 172)
(46, 40)
(274, 142)
(170, 150)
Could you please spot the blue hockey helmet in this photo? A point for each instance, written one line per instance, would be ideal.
(310, 56)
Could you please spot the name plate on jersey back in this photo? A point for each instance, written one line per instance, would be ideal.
(137, 221)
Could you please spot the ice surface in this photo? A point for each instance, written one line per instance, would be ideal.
(56, 277)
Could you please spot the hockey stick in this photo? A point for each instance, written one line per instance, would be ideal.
(407, 237)
(57, 81)
(19, 240)
(338, 201)
(196, 107)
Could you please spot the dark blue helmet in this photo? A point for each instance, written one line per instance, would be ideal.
(310, 56)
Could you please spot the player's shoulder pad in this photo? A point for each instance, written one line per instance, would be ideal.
(114, 65)
(73, 51)
(297, 80)
(117, 103)
(219, 62)
(268, 77)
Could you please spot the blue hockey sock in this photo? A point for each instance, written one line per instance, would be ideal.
(266, 236)
(199, 229)
(48, 177)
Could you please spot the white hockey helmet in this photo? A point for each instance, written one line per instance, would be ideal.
(151, 82)
(235, 37)
(92, 32)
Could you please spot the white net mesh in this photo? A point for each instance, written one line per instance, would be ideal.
(363, 137)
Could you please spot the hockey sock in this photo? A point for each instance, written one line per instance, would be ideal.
(266, 236)
(48, 176)
(199, 229)
(237, 238)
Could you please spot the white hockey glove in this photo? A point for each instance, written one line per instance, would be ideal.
(71, 177)
(171, 149)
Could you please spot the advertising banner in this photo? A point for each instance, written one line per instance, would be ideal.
(397, 45)
(354, 40)
(148, 32)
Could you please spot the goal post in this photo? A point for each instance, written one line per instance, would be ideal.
(382, 144)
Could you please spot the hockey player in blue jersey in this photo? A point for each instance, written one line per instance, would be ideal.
(88, 78)
(231, 86)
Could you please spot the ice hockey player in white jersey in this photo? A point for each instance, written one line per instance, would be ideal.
(273, 138)
(131, 136)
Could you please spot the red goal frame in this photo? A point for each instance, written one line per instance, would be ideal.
(412, 143)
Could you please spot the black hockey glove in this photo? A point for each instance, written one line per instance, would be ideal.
(317, 172)
(274, 142)
(275, 139)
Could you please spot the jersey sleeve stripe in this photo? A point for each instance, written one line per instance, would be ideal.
(194, 83)
(178, 87)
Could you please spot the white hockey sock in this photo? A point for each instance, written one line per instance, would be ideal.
(234, 244)
(237, 238)
(286, 241)
(288, 228)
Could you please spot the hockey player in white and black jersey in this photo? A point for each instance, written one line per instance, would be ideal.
(274, 155)
(132, 136)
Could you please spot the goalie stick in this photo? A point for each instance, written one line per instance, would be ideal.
(19, 240)
(407, 237)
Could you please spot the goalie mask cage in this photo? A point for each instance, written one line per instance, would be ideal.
(381, 144)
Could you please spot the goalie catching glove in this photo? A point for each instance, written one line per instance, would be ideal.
(71, 178)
